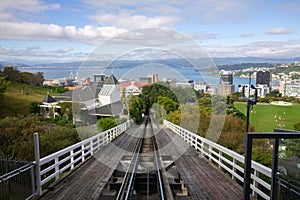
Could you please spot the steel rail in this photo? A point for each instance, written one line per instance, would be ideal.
(128, 182)
(160, 181)
(130, 172)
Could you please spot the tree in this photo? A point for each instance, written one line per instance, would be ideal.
(38, 79)
(137, 106)
(106, 123)
(218, 104)
(26, 78)
(3, 85)
(34, 107)
(16, 140)
(11, 74)
(204, 101)
(167, 103)
(66, 110)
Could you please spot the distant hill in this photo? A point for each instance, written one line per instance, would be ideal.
(15, 65)
(241, 66)
(227, 61)
(222, 63)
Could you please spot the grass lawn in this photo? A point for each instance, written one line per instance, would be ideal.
(263, 116)
(17, 99)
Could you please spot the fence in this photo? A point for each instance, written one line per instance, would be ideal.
(16, 180)
(227, 160)
(51, 167)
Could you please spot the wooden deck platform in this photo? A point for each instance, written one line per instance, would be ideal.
(203, 180)
(89, 179)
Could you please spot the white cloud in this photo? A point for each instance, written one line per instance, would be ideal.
(134, 21)
(204, 11)
(246, 35)
(279, 30)
(269, 49)
(11, 10)
(53, 32)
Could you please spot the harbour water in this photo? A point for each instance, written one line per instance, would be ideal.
(127, 73)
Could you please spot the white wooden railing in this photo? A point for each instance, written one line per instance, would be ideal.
(52, 166)
(226, 159)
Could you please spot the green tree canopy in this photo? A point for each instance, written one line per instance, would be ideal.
(167, 103)
(3, 85)
(137, 106)
(106, 123)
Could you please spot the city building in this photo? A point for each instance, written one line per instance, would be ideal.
(225, 89)
(290, 88)
(244, 89)
(99, 77)
(109, 93)
(145, 79)
(262, 90)
(226, 78)
(171, 81)
(200, 86)
(188, 83)
(263, 78)
(226, 83)
(150, 78)
(132, 87)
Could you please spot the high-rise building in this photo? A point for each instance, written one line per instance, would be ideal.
(153, 77)
(226, 78)
(263, 78)
(226, 83)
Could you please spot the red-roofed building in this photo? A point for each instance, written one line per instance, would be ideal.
(132, 87)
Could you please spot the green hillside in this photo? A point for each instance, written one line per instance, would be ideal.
(17, 98)
(263, 116)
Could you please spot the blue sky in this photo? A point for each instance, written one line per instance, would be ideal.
(36, 31)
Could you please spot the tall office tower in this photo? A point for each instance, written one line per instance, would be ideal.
(226, 78)
(153, 77)
(226, 83)
(263, 78)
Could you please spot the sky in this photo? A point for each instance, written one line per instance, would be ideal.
(45, 31)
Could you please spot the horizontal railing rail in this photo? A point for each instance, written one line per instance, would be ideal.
(227, 160)
(16, 180)
(54, 165)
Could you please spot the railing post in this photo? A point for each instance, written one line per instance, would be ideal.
(72, 158)
(233, 168)
(37, 164)
(209, 152)
(255, 183)
(201, 147)
(82, 153)
(92, 147)
(56, 168)
(220, 158)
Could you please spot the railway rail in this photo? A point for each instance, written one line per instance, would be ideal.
(142, 176)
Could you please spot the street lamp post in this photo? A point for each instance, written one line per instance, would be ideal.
(248, 150)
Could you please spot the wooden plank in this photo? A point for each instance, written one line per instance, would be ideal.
(203, 179)
(88, 180)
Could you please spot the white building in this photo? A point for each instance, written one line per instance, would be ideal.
(132, 87)
(262, 90)
(246, 90)
(290, 88)
(109, 93)
(200, 86)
